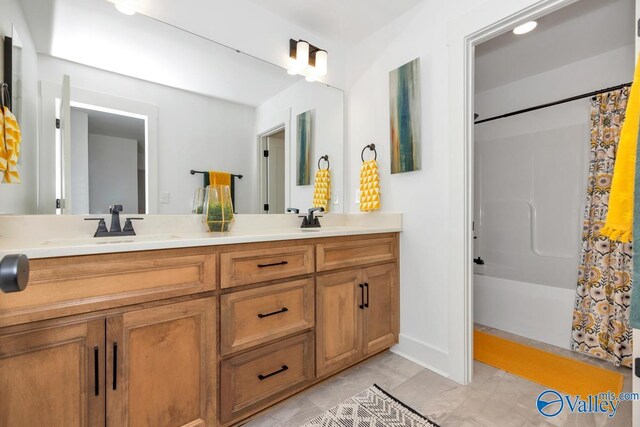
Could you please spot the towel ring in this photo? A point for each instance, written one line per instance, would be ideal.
(371, 147)
(325, 158)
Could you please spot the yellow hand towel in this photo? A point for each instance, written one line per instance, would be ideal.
(9, 147)
(322, 189)
(619, 223)
(219, 178)
(369, 186)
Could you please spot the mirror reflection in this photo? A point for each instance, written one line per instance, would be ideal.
(121, 109)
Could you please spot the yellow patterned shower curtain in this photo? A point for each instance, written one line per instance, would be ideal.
(600, 317)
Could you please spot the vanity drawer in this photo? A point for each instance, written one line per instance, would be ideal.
(72, 285)
(355, 252)
(253, 380)
(269, 263)
(257, 316)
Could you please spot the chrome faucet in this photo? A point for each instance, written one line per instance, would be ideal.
(115, 229)
(310, 221)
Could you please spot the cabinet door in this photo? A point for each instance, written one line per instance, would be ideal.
(381, 315)
(53, 376)
(338, 321)
(161, 366)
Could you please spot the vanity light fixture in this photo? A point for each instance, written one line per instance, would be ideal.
(307, 60)
(525, 28)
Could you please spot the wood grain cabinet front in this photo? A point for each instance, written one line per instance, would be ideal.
(268, 262)
(257, 316)
(53, 376)
(161, 368)
(356, 251)
(357, 315)
(74, 285)
(251, 381)
(150, 367)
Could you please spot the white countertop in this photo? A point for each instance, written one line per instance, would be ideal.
(54, 236)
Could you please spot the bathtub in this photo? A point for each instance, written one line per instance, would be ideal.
(540, 312)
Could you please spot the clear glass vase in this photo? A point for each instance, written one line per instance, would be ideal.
(218, 208)
(198, 201)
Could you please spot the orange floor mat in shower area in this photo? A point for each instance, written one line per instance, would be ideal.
(559, 373)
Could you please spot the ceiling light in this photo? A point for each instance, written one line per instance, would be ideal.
(125, 9)
(306, 60)
(525, 28)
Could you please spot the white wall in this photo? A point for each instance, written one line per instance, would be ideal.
(194, 132)
(327, 104)
(21, 198)
(80, 161)
(421, 196)
(113, 173)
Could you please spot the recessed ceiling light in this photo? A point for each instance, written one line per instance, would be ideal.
(525, 28)
(125, 9)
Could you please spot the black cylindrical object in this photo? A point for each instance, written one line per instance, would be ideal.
(14, 273)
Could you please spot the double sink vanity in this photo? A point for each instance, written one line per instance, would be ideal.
(179, 327)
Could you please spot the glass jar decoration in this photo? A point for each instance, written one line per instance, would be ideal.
(198, 201)
(218, 208)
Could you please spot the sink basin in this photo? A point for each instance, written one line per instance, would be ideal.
(84, 241)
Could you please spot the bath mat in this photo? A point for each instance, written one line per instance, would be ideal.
(559, 373)
(373, 407)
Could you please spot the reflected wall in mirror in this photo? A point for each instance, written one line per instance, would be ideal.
(146, 103)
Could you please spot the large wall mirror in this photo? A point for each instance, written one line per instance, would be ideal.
(128, 106)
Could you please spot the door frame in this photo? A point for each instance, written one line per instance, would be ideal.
(262, 139)
(464, 34)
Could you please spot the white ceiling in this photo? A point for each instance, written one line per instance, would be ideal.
(347, 21)
(581, 30)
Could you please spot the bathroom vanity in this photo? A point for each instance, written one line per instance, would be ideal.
(208, 333)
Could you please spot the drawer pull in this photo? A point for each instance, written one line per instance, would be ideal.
(366, 304)
(273, 264)
(96, 370)
(361, 305)
(264, 377)
(283, 310)
(115, 365)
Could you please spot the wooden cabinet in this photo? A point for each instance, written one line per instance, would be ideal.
(257, 316)
(266, 262)
(357, 314)
(161, 366)
(74, 285)
(53, 376)
(131, 339)
(150, 367)
(381, 315)
(356, 251)
(338, 321)
(252, 380)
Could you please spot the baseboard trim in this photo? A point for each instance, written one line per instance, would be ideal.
(423, 354)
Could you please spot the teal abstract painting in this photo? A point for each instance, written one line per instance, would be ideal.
(405, 115)
(303, 148)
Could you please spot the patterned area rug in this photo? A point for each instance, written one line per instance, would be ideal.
(373, 407)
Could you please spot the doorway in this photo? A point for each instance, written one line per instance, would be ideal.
(272, 171)
(466, 34)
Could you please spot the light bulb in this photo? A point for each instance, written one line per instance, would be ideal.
(321, 62)
(302, 54)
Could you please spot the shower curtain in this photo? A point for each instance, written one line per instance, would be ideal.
(601, 316)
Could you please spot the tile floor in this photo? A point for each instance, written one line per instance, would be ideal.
(494, 398)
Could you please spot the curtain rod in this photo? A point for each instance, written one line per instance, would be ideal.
(551, 104)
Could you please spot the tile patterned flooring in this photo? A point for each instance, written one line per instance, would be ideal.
(494, 398)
